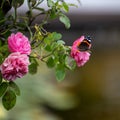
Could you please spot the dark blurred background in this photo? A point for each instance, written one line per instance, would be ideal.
(91, 92)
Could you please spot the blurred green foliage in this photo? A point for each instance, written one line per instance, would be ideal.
(89, 93)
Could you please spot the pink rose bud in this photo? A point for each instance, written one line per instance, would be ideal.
(19, 43)
(80, 50)
(14, 66)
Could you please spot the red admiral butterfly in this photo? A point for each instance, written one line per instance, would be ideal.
(85, 45)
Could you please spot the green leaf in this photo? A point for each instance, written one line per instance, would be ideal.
(48, 48)
(53, 13)
(2, 21)
(3, 88)
(0, 78)
(65, 7)
(65, 20)
(60, 42)
(33, 67)
(56, 36)
(50, 3)
(49, 38)
(1, 58)
(9, 100)
(50, 62)
(54, 46)
(60, 72)
(1, 14)
(70, 63)
(17, 3)
(62, 57)
(52, 37)
(14, 87)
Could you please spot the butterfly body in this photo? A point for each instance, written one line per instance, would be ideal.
(85, 45)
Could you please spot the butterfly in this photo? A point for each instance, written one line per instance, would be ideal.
(85, 45)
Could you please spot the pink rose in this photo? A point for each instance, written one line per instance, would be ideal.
(19, 43)
(80, 56)
(14, 66)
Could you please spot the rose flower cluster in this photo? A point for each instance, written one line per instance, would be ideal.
(16, 64)
(80, 50)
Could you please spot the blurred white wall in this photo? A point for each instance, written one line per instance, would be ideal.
(96, 7)
(87, 7)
